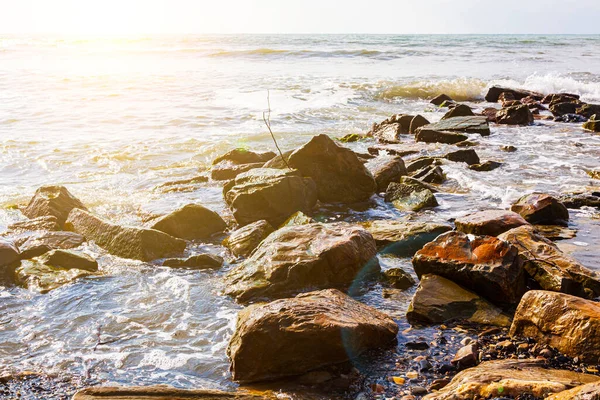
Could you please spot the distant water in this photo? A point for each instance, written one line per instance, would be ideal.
(113, 118)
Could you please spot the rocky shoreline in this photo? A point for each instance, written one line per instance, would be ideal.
(514, 316)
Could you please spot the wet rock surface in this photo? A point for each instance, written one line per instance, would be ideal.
(244, 240)
(409, 197)
(192, 221)
(489, 222)
(541, 208)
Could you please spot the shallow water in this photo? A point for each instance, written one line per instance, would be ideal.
(113, 119)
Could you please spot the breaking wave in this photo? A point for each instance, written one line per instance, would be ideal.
(462, 89)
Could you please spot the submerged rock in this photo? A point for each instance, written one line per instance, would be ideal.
(474, 124)
(468, 156)
(591, 125)
(515, 115)
(488, 266)
(432, 136)
(40, 243)
(389, 130)
(297, 258)
(68, 260)
(503, 379)
(485, 166)
(244, 156)
(460, 110)
(269, 194)
(550, 267)
(163, 392)
(292, 336)
(568, 323)
(438, 100)
(578, 200)
(439, 300)
(192, 221)
(199, 261)
(494, 93)
(340, 176)
(40, 277)
(398, 278)
(541, 208)
(408, 197)
(128, 242)
(244, 240)
(297, 218)
(489, 222)
(54, 201)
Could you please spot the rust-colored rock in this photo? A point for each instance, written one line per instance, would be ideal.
(244, 240)
(387, 171)
(192, 221)
(541, 208)
(55, 201)
(489, 222)
(515, 115)
(296, 335)
(494, 93)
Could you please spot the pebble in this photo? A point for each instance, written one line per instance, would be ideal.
(418, 390)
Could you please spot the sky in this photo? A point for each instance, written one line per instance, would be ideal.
(118, 17)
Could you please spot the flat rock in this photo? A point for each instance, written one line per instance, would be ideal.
(541, 208)
(292, 336)
(489, 222)
(433, 136)
(244, 240)
(474, 124)
(40, 243)
(550, 267)
(297, 258)
(244, 156)
(488, 266)
(590, 391)
(468, 156)
(494, 93)
(127, 242)
(509, 379)
(68, 260)
(408, 197)
(54, 201)
(439, 300)
(199, 261)
(45, 223)
(485, 166)
(192, 221)
(163, 392)
(567, 323)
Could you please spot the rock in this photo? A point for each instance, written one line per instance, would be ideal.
(416, 182)
(515, 115)
(588, 110)
(403, 238)
(559, 98)
(490, 113)
(555, 232)
(431, 174)
(419, 163)
(566, 108)
(182, 185)
(508, 149)
(42, 278)
(244, 240)
(541, 208)
(417, 122)
(466, 143)
(292, 336)
(297, 218)
(439, 300)
(509, 379)
(350, 138)
(45, 223)
(510, 103)
(485, 166)
(398, 278)
(163, 392)
(550, 267)
(468, 156)
(226, 171)
(269, 194)
(466, 356)
(438, 100)
(462, 124)
(408, 197)
(54, 201)
(460, 110)
(494, 93)
(192, 221)
(296, 258)
(277, 162)
(389, 130)
(199, 261)
(484, 264)
(244, 156)
(578, 200)
(590, 391)
(439, 384)
(431, 136)
(489, 222)
(9, 253)
(340, 176)
(68, 260)
(390, 170)
(40, 243)
(594, 174)
(418, 391)
(573, 118)
(562, 321)
(593, 126)
(506, 96)
(128, 242)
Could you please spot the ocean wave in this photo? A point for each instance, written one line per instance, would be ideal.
(588, 86)
(378, 54)
(461, 89)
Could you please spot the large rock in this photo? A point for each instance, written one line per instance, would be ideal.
(489, 222)
(439, 300)
(438, 100)
(68, 260)
(503, 379)
(486, 265)
(568, 323)
(390, 129)
(192, 221)
(474, 124)
(515, 115)
(468, 156)
(199, 261)
(244, 156)
(297, 258)
(494, 93)
(39, 277)
(270, 194)
(564, 108)
(559, 98)
(409, 197)
(541, 208)
(401, 237)
(592, 125)
(42, 242)
(293, 336)
(339, 174)
(551, 268)
(589, 110)
(56, 201)
(163, 392)
(9, 253)
(431, 136)
(128, 242)
(225, 171)
(387, 171)
(417, 122)
(461, 110)
(243, 241)
(45, 223)
(590, 391)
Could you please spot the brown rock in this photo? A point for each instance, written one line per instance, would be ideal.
(417, 122)
(494, 93)
(471, 124)
(589, 110)
(192, 221)
(515, 115)
(68, 260)
(592, 125)
(559, 109)
(244, 240)
(460, 110)
(9, 253)
(431, 136)
(419, 163)
(559, 98)
(398, 278)
(40, 243)
(387, 171)
(244, 156)
(438, 100)
(485, 166)
(541, 208)
(490, 113)
(54, 201)
(164, 392)
(226, 171)
(39, 277)
(468, 156)
(199, 261)
(489, 222)
(389, 130)
(46, 223)
(296, 335)
(466, 356)
(431, 174)
(407, 197)
(590, 391)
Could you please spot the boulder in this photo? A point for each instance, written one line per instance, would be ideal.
(506, 96)
(340, 176)
(515, 115)
(408, 197)
(40, 243)
(589, 391)
(494, 93)
(401, 237)
(199, 261)
(297, 218)
(45, 223)
(298, 258)
(389, 130)
(244, 156)
(503, 379)
(127, 242)
(460, 110)
(592, 125)
(431, 174)
(163, 392)
(466, 356)
(550, 267)
(588, 110)
(68, 260)
(490, 113)
(9, 253)
(559, 97)
(489, 222)
(417, 122)
(439, 300)
(244, 240)
(485, 166)
(407, 180)
(420, 162)
(191, 221)
(541, 208)
(269, 194)
(296, 335)
(474, 124)
(54, 201)
(567, 323)
(41, 276)
(431, 136)
(468, 156)
(226, 171)
(438, 100)
(578, 200)
(387, 171)
(566, 108)
(484, 264)
(398, 278)
(277, 161)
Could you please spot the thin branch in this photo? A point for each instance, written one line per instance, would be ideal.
(267, 119)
